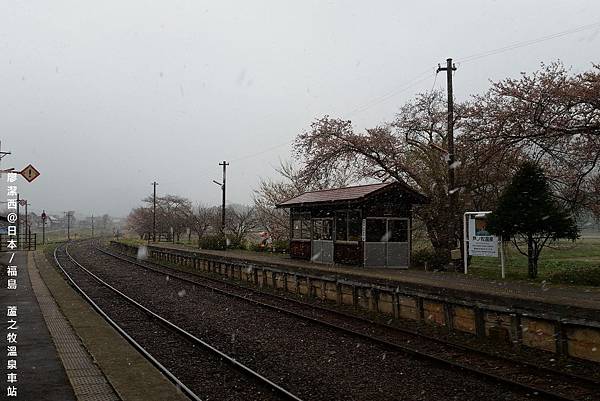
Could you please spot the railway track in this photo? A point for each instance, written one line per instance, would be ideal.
(535, 380)
(386, 329)
(134, 321)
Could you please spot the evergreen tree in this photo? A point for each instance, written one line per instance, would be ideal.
(528, 213)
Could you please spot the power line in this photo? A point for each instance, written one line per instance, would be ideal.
(434, 81)
(373, 102)
(424, 75)
(402, 88)
(262, 151)
(530, 42)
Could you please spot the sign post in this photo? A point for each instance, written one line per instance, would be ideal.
(478, 241)
(44, 227)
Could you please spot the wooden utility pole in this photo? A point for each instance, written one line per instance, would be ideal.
(2, 154)
(92, 225)
(68, 225)
(44, 217)
(450, 68)
(224, 164)
(154, 184)
(222, 185)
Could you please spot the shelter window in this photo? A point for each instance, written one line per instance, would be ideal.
(301, 226)
(348, 225)
(305, 229)
(398, 230)
(387, 230)
(341, 226)
(376, 230)
(297, 228)
(354, 226)
(317, 228)
(323, 229)
(327, 233)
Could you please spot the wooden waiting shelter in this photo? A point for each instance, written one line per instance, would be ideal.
(366, 225)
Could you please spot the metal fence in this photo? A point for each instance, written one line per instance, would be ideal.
(23, 242)
(160, 237)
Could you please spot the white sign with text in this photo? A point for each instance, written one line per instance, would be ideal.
(481, 243)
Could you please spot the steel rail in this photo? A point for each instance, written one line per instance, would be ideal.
(384, 326)
(401, 330)
(245, 369)
(121, 331)
(541, 393)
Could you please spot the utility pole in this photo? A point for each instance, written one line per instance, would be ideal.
(92, 225)
(68, 225)
(44, 227)
(222, 185)
(224, 164)
(450, 68)
(154, 184)
(2, 154)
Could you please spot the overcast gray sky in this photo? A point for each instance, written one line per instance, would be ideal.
(104, 97)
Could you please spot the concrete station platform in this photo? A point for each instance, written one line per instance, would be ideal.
(66, 351)
(582, 301)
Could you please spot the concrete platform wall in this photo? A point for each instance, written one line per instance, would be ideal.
(580, 339)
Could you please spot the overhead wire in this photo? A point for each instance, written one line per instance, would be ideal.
(434, 80)
(424, 75)
(396, 91)
(373, 102)
(261, 152)
(530, 42)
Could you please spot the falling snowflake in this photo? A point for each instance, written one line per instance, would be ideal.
(456, 164)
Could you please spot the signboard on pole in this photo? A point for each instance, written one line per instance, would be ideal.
(478, 241)
(481, 242)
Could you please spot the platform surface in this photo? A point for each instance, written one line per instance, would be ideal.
(580, 297)
(40, 373)
(130, 374)
(87, 380)
(67, 351)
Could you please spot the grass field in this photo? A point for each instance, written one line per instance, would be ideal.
(60, 234)
(566, 262)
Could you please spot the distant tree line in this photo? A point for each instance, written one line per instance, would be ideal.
(177, 216)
